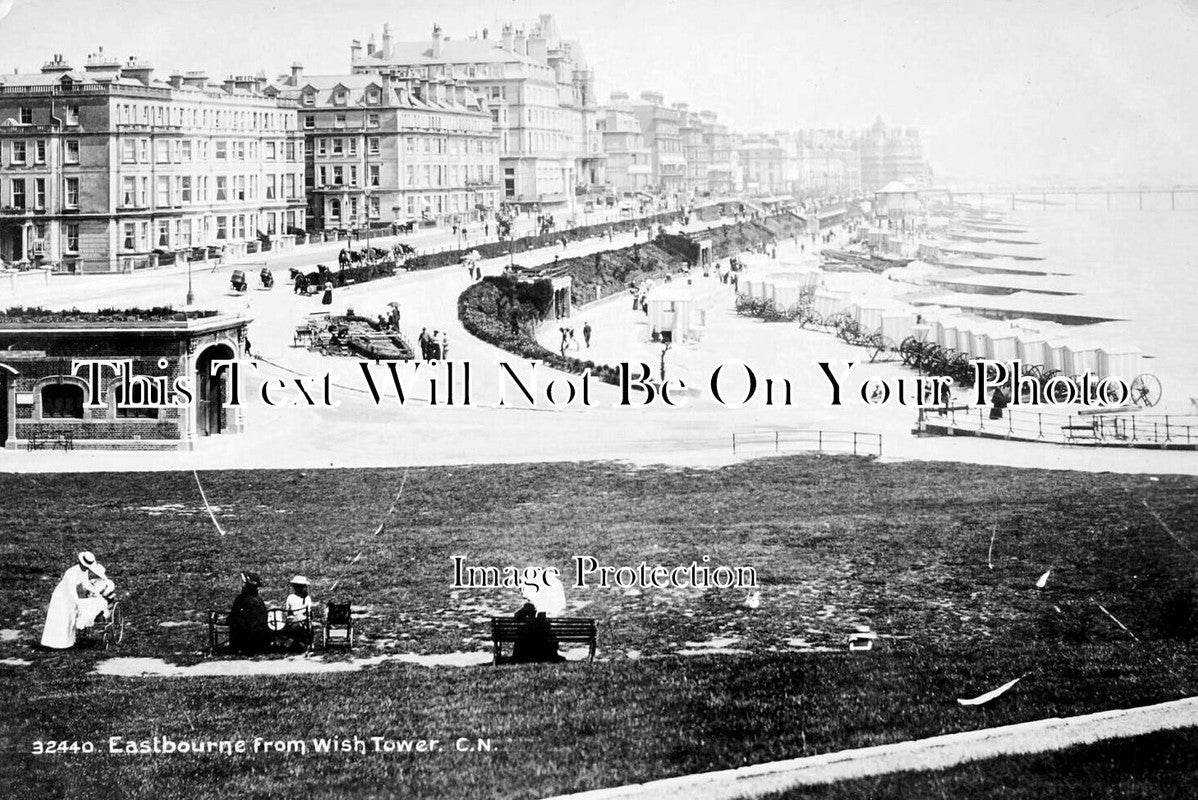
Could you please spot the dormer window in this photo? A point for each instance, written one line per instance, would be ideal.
(26, 116)
(372, 97)
(340, 97)
(309, 99)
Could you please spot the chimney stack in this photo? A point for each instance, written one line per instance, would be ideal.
(137, 70)
(176, 81)
(355, 50)
(436, 40)
(196, 79)
(520, 43)
(297, 73)
(370, 45)
(506, 37)
(386, 40)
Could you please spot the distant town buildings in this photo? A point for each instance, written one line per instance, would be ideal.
(540, 94)
(106, 167)
(380, 148)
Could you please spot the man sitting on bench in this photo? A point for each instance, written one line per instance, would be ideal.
(297, 620)
(535, 643)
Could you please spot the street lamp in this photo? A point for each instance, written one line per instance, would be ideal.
(191, 297)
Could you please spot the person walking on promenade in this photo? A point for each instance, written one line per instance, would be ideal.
(434, 346)
(586, 334)
(444, 345)
(424, 340)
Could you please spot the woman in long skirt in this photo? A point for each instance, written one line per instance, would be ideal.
(328, 294)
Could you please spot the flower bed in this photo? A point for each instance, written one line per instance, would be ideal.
(20, 314)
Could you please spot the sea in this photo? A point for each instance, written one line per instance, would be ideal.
(1136, 265)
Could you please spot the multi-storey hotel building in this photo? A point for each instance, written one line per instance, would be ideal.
(106, 169)
(391, 147)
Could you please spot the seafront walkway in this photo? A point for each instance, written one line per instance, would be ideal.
(934, 753)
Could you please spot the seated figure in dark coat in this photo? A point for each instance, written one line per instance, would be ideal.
(535, 643)
(249, 632)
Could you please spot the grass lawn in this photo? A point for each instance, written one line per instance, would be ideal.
(1159, 765)
(836, 543)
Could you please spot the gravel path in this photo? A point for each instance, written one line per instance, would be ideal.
(937, 752)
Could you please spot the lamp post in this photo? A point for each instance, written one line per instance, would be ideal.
(191, 297)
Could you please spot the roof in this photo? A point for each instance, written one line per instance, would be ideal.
(895, 187)
(481, 51)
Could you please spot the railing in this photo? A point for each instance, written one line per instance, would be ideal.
(1141, 430)
(857, 443)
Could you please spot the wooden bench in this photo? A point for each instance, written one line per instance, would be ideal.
(504, 630)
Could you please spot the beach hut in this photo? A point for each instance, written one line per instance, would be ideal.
(965, 339)
(1054, 355)
(1078, 358)
(898, 325)
(1032, 349)
(679, 309)
(869, 315)
(1120, 361)
(1002, 345)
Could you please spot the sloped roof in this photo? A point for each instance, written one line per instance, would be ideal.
(482, 51)
(896, 187)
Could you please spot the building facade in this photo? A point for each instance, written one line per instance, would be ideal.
(629, 161)
(540, 93)
(828, 162)
(764, 163)
(392, 148)
(106, 168)
(892, 154)
(166, 399)
(661, 127)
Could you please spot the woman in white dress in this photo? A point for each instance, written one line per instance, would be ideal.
(61, 618)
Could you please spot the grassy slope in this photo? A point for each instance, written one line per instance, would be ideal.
(901, 547)
(1159, 765)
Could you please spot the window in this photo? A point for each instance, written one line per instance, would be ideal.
(39, 151)
(353, 147)
(289, 180)
(72, 115)
(339, 121)
(374, 206)
(222, 227)
(338, 175)
(222, 193)
(409, 144)
(62, 400)
(128, 191)
(372, 120)
(374, 174)
(138, 393)
(353, 175)
(71, 153)
(291, 151)
(26, 116)
(372, 97)
(270, 151)
(71, 231)
(185, 147)
(163, 194)
(372, 145)
(338, 147)
(340, 97)
(185, 189)
(71, 193)
(39, 193)
(222, 150)
(322, 146)
(309, 121)
(164, 233)
(335, 209)
(143, 150)
(130, 231)
(309, 99)
(162, 151)
(322, 173)
(239, 190)
(18, 193)
(270, 186)
(18, 152)
(240, 148)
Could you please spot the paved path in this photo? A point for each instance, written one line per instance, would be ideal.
(938, 752)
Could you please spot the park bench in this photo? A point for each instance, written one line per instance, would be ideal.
(504, 630)
(1087, 431)
(35, 442)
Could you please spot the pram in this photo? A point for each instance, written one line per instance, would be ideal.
(238, 281)
(267, 278)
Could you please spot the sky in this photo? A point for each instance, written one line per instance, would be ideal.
(1010, 93)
